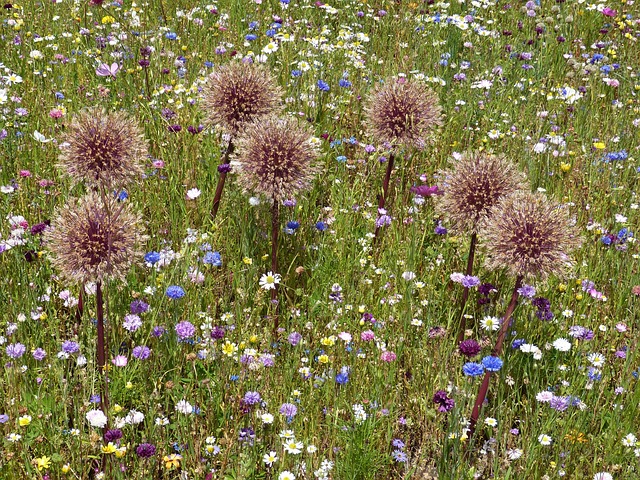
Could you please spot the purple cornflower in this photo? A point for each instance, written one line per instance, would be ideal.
(400, 456)
(185, 330)
(138, 306)
(113, 435)
(383, 219)
(39, 354)
(131, 322)
(469, 281)
(469, 348)
(581, 333)
(16, 350)
(267, 360)
(141, 352)
(527, 291)
(288, 409)
(397, 443)
(69, 346)
(440, 230)
(444, 402)
(145, 450)
(559, 403)
(158, 331)
(217, 333)
(294, 338)
(251, 398)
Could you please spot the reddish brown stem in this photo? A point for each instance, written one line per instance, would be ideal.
(465, 294)
(497, 350)
(101, 350)
(221, 180)
(385, 189)
(275, 227)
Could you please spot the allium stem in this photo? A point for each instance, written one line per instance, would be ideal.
(497, 350)
(275, 227)
(465, 294)
(80, 307)
(221, 180)
(101, 349)
(385, 189)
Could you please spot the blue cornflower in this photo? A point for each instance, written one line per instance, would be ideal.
(296, 73)
(59, 96)
(293, 225)
(321, 226)
(399, 456)
(208, 64)
(152, 257)
(271, 32)
(171, 36)
(341, 158)
(253, 25)
(342, 378)
(174, 292)
(397, 443)
(344, 83)
(624, 234)
(473, 369)
(491, 363)
(122, 195)
(594, 374)
(323, 86)
(250, 37)
(212, 258)
(518, 342)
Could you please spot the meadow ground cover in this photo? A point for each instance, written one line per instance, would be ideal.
(277, 239)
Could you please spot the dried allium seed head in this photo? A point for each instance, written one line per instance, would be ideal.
(276, 157)
(91, 240)
(403, 112)
(239, 93)
(529, 236)
(103, 148)
(476, 183)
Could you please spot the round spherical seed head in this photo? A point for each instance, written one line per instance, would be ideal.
(276, 157)
(92, 239)
(103, 149)
(403, 112)
(475, 183)
(239, 93)
(529, 236)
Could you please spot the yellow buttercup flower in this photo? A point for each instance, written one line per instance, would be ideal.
(43, 463)
(172, 461)
(109, 448)
(24, 420)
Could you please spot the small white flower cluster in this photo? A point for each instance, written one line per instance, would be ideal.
(359, 413)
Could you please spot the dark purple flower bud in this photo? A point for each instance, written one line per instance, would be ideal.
(224, 168)
(443, 401)
(469, 348)
(146, 450)
(113, 435)
(217, 333)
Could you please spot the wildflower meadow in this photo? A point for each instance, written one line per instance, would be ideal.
(297, 240)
